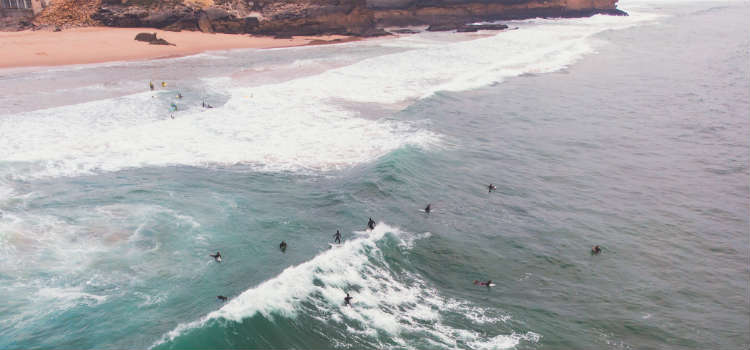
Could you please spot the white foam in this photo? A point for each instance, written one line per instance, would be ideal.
(382, 301)
(306, 124)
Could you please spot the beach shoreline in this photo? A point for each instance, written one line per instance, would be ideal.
(89, 45)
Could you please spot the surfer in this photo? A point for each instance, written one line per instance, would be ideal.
(337, 237)
(428, 208)
(282, 246)
(179, 95)
(151, 85)
(371, 224)
(216, 256)
(221, 297)
(347, 300)
(596, 250)
(483, 283)
(491, 187)
(206, 105)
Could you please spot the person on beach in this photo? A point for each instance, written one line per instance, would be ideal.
(347, 300)
(163, 84)
(179, 95)
(337, 237)
(151, 85)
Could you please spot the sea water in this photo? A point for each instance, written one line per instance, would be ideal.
(626, 132)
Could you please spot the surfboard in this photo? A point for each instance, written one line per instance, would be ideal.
(491, 285)
(218, 259)
(332, 245)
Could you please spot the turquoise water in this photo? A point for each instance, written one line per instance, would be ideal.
(630, 133)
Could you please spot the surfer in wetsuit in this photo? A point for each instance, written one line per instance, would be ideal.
(216, 256)
(282, 246)
(371, 224)
(428, 208)
(347, 300)
(337, 237)
(596, 250)
(491, 187)
(221, 297)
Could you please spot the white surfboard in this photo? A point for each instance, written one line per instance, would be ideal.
(332, 245)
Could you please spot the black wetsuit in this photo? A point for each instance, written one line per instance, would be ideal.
(216, 256)
(347, 300)
(282, 246)
(371, 224)
(428, 208)
(337, 237)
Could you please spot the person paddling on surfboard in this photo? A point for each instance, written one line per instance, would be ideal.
(216, 256)
(337, 237)
(347, 300)
(428, 208)
(488, 283)
(282, 246)
(371, 224)
(596, 250)
(221, 297)
(491, 187)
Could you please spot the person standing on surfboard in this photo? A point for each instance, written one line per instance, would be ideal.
(347, 300)
(428, 208)
(337, 237)
(371, 224)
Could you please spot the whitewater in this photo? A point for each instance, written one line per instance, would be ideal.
(617, 131)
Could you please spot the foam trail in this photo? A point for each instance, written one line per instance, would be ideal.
(398, 304)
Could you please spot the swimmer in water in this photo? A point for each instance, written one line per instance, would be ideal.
(216, 256)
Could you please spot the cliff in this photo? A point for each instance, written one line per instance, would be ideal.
(307, 17)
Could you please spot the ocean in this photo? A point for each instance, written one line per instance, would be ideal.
(630, 133)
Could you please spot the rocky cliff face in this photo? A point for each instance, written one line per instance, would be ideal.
(310, 17)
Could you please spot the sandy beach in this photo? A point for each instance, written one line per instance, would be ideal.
(101, 44)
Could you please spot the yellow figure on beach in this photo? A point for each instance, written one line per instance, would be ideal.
(151, 85)
(163, 84)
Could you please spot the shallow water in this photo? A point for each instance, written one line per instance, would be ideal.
(627, 132)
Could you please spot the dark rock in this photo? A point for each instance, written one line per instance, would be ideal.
(478, 27)
(152, 39)
(147, 37)
(442, 27)
(404, 31)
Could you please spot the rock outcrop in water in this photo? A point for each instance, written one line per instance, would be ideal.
(284, 18)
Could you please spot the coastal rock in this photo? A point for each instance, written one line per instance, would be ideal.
(152, 39)
(315, 17)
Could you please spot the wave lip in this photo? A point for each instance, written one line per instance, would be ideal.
(391, 306)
